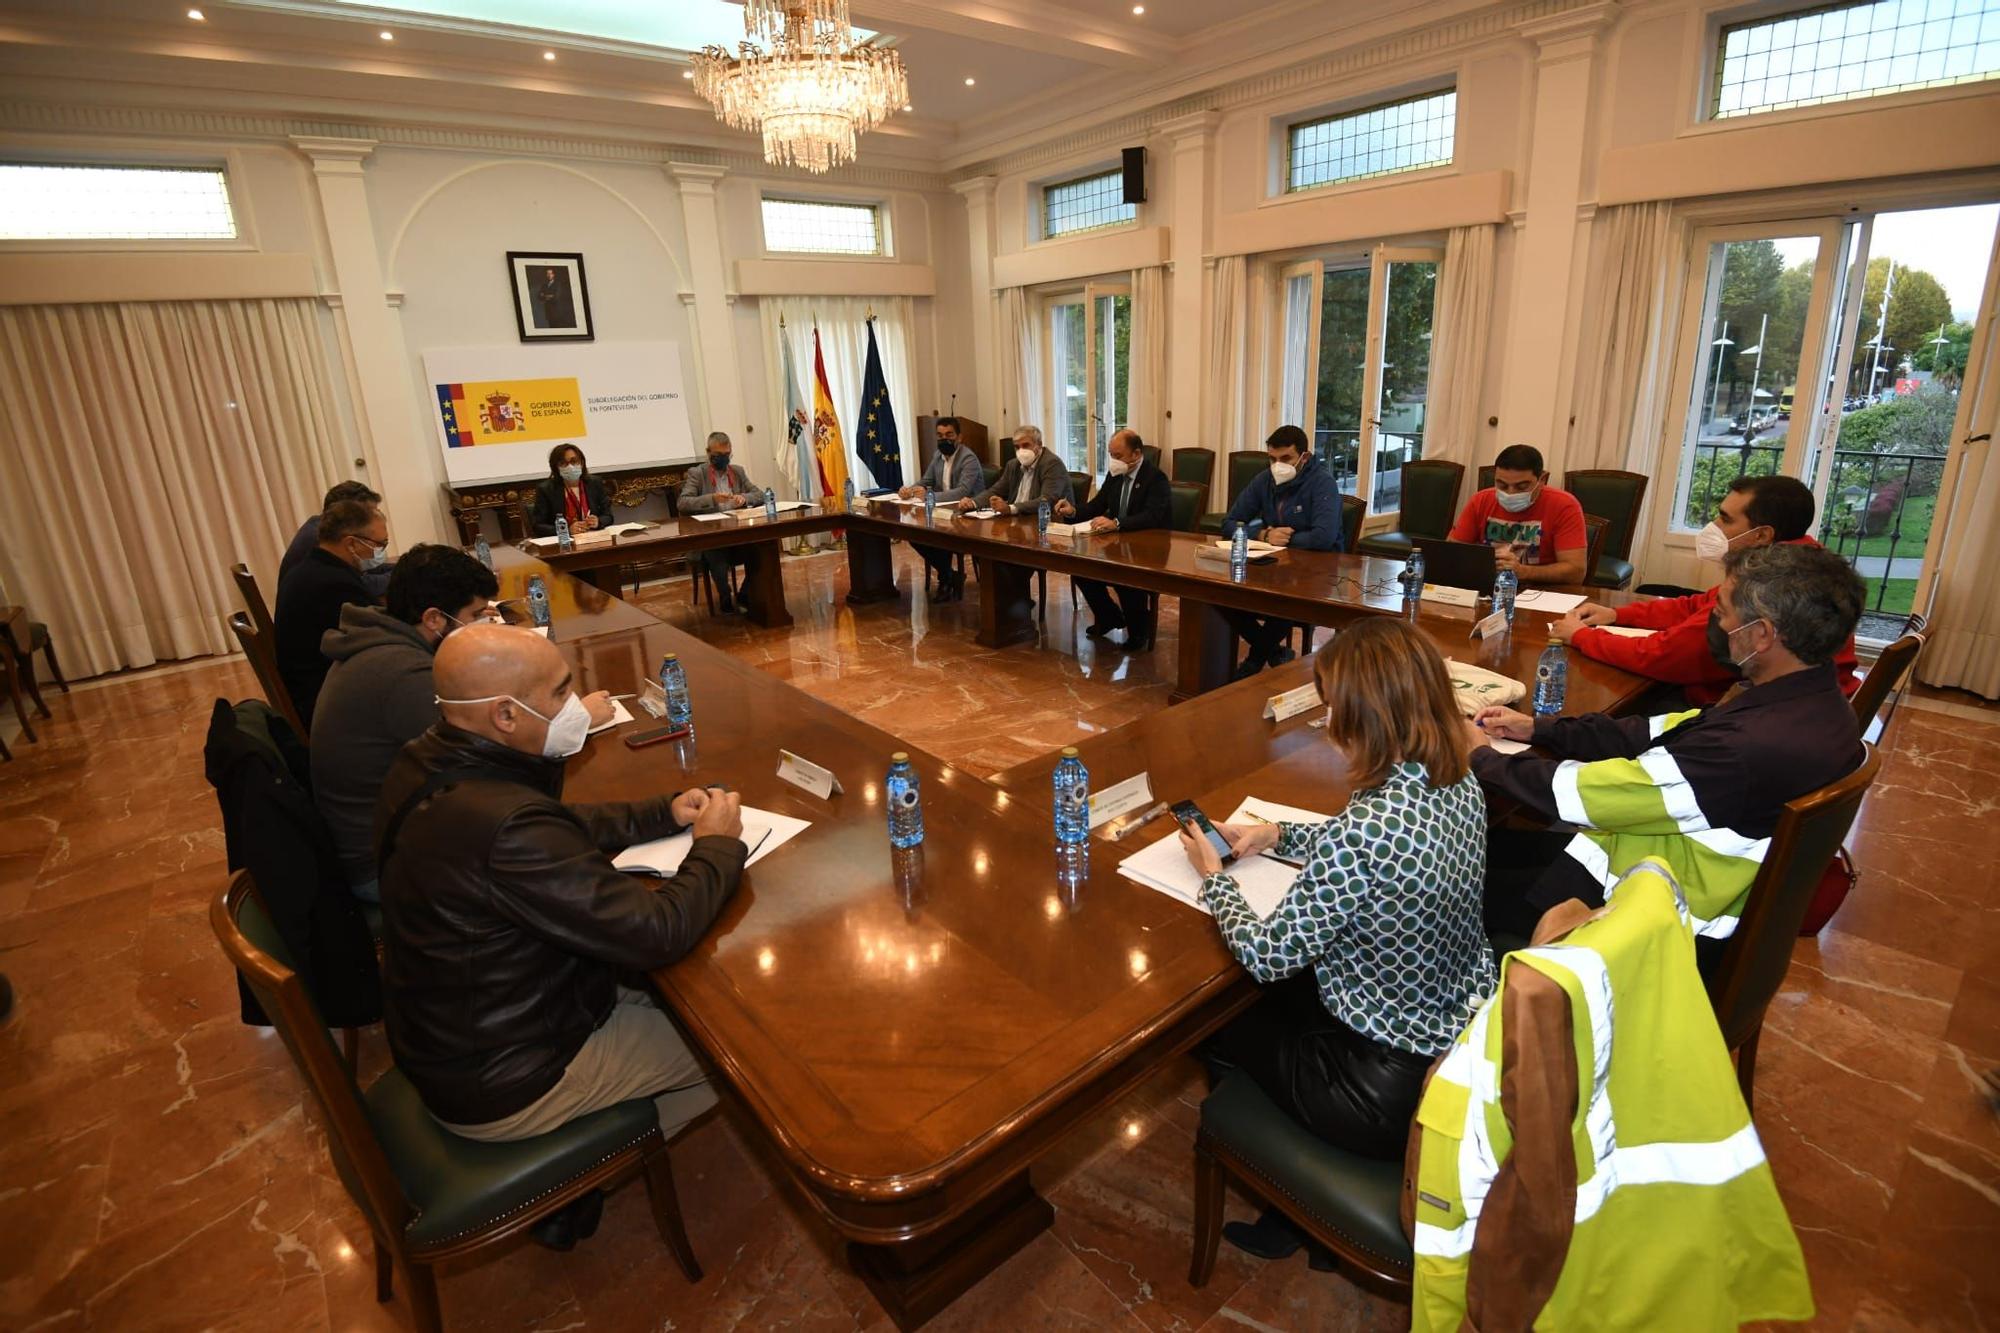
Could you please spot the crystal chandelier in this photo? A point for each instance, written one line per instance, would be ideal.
(814, 92)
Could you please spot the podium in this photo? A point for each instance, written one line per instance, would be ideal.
(971, 434)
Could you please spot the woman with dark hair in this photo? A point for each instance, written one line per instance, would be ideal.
(1376, 958)
(569, 491)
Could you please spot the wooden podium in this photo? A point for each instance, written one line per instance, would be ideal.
(970, 433)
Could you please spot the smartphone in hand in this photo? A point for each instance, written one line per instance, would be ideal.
(1187, 812)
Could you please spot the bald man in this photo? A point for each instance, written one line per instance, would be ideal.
(506, 927)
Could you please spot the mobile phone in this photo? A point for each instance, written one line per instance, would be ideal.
(1187, 812)
(655, 736)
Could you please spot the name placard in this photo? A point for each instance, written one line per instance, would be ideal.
(1121, 798)
(806, 775)
(1292, 702)
(1489, 626)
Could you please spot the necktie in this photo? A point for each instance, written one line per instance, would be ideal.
(1125, 497)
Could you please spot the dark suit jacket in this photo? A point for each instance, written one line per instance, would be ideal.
(309, 602)
(549, 504)
(1051, 482)
(1151, 506)
(306, 540)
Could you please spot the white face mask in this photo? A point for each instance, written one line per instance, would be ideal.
(1283, 472)
(567, 729)
(1515, 502)
(1712, 543)
(1025, 457)
(572, 473)
(1117, 467)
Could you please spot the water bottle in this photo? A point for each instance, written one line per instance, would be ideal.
(1042, 517)
(1072, 872)
(1505, 584)
(674, 682)
(1072, 795)
(538, 602)
(564, 542)
(847, 495)
(906, 803)
(484, 552)
(930, 506)
(770, 503)
(1551, 680)
(1239, 553)
(1413, 575)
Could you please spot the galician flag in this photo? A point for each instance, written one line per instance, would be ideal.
(828, 446)
(796, 420)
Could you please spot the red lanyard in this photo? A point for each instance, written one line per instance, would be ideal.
(575, 503)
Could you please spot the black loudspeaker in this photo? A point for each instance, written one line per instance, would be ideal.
(1135, 175)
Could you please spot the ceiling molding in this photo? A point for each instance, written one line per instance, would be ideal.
(1028, 25)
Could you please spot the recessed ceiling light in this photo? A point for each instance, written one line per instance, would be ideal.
(197, 15)
(386, 36)
(548, 55)
(970, 82)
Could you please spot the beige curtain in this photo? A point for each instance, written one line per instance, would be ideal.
(1226, 408)
(1147, 401)
(1624, 360)
(149, 446)
(1463, 321)
(1021, 399)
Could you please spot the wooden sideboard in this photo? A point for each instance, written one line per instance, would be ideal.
(512, 500)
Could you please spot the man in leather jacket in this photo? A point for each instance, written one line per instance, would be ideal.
(506, 929)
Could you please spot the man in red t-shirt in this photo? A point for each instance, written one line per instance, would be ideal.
(1757, 511)
(1533, 528)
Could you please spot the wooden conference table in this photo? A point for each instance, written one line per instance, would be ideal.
(912, 1031)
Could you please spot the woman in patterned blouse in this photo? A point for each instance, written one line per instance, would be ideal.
(1376, 957)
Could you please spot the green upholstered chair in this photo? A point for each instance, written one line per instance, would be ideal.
(1244, 465)
(991, 473)
(1615, 497)
(1430, 503)
(1194, 465)
(1152, 452)
(1079, 486)
(431, 1198)
(1189, 499)
(1352, 510)
(1350, 1204)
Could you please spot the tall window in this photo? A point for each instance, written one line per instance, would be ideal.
(1086, 204)
(1835, 52)
(1408, 135)
(88, 203)
(1090, 347)
(812, 226)
(1357, 363)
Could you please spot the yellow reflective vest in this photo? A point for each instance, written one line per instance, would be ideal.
(1677, 1224)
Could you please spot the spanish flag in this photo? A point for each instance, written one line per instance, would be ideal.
(828, 446)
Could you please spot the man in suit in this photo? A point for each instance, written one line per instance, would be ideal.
(1134, 497)
(718, 486)
(1032, 475)
(307, 537)
(353, 538)
(953, 475)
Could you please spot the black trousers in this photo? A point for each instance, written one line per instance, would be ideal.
(1264, 634)
(939, 560)
(1350, 1090)
(1134, 609)
(719, 562)
(1527, 874)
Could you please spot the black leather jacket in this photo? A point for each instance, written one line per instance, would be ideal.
(505, 926)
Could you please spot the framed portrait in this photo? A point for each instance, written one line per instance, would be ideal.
(551, 302)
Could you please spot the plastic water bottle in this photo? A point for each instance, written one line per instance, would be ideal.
(1072, 796)
(1551, 680)
(1239, 553)
(1042, 517)
(538, 602)
(906, 802)
(483, 552)
(564, 542)
(674, 682)
(1413, 575)
(1505, 584)
(770, 503)
(930, 506)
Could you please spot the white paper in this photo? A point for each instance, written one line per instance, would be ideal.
(541, 543)
(1450, 596)
(619, 717)
(806, 775)
(764, 832)
(1505, 746)
(1292, 702)
(1491, 625)
(585, 540)
(979, 513)
(785, 505)
(1263, 880)
(620, 529)
(709, 518)
(1627, 631)
(1120, 798)
(1256, 547)
(1063, 529)
(1555, 603)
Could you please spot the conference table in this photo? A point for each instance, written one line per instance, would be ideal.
(913, 1030)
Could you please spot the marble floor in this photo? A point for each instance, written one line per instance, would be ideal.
(158, 1169)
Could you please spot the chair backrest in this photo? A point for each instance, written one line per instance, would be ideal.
(260, 648)
(1152, 453)
(1614, 495)
(1194, 465)
(1079, 485)
(1430, 496)
(1594, 529)
(1890, 667)
(991, 473)
(257, 952)
(1486, 477)
(1757, 953)
(1190, 501)
(1352, 510)
(1244, 465)
(253, 597)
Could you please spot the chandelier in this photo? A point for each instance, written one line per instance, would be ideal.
(813, 93)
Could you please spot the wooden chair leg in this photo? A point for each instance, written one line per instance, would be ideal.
(1746, 1067)
(14, 692)
(1210, 1189)
(350, 1047)
(55, 667)
(1042, 594)
(667, 1211)
(5, 753)
(385, 1272)
(25, 668)
(424, 1298)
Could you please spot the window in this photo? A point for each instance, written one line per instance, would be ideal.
(808, 226)
(82, 203)
(1086, 204)
(1357, 332)
(1409, 135)
(1838, 52)
(1090, 342)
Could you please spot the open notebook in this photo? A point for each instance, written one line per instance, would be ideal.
(764, 832)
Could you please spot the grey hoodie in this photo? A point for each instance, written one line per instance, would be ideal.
(377, 698)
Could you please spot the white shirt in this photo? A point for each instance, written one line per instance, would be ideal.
(1027, 481)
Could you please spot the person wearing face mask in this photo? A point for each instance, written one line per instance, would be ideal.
(1534, 529)
(307, 537)
(1133, 498)
(719, 485)
(353, 538)
(953, 475)
(1296, 504)
(505, 927)
(1031, 475)
(569, 492)
(1757, 511)
(1700, 789)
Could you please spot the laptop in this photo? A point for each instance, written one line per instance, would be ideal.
(1458, 564)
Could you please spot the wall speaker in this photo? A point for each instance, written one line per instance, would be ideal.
(1135, 175)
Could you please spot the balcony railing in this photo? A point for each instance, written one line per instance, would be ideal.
(1393, 449)
(1719, 462)
(1878, 515)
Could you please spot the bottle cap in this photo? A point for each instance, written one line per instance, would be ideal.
(1069, 752)
(900, 757)
(671, 657)
(1556, 640)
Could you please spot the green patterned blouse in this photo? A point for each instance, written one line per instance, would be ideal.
(1386, 911)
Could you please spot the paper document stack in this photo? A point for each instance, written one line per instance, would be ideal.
(1264, 880)
(764, 832)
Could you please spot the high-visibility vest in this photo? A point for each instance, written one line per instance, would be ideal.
(1678, 1222)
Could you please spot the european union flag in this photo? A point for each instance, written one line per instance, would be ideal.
(879, 445)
